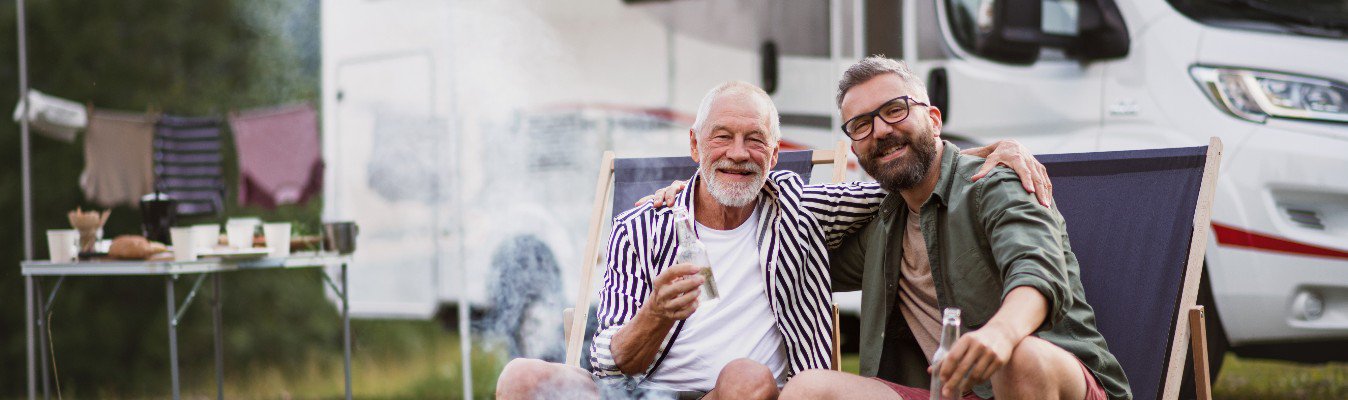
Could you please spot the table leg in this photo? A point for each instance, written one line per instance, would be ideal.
(219, 345)
(42, 339)
(28, 314)
(173, 336)
(346, 331)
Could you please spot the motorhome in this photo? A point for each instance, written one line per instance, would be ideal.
(464, 137)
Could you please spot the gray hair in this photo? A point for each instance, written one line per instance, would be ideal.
(739, 87)
(876, 65)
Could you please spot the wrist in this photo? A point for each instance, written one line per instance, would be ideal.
(649, 316)
(1007, 331)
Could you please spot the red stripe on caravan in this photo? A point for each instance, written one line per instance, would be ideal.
(1232, 236)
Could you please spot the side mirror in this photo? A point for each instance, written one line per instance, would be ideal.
(1012, 31)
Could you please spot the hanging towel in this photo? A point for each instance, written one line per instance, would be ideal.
(52, 116)
(117, 166)
(279, 155)
(188, 163)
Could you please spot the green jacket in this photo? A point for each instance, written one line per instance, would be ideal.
(983, 239)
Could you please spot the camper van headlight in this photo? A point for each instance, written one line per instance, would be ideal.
(1257, 95)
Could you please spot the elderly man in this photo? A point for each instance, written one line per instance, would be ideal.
(767, 235)
(942, 240)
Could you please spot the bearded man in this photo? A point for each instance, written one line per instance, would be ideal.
(767, 236)
(943, 239)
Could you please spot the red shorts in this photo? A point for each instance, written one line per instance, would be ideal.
(1093, 389)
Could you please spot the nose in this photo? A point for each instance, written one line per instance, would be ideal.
(880, 128)
(738, 152)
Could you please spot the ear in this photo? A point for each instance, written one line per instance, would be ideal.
(934, 114)
(692, 145)
(772, 162)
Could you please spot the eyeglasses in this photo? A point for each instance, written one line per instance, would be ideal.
(893, 111)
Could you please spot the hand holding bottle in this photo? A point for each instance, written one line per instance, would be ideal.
(974, 358)
(674, 296)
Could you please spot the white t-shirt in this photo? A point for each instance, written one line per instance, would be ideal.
(741, 325)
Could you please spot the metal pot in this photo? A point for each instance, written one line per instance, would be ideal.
(340, 236)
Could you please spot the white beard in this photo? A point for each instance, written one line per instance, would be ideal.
(733, 194)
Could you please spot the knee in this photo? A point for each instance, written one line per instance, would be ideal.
(809, 384)
(746, 379)
(1028, 368)
(520, 378)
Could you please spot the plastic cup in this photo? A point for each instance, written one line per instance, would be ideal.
(63, 245)
(184, 243)
(207, 236)
(240, 235)
(278, 238)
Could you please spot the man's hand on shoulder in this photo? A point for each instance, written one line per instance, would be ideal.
(1033, 176)
(665, 196)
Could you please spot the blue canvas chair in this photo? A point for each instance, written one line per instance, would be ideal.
(1138, 223)
(634, 178)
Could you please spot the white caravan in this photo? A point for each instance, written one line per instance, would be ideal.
(1267, 77)
(455, 130)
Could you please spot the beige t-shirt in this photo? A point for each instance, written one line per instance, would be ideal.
(917, 290)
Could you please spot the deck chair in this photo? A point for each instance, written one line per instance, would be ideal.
(1138, 223)
(634, 178)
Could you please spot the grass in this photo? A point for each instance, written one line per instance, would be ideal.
(390, 360)
(419, 359)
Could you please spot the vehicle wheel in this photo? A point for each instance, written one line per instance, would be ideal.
(526, 300)
(1217, 344)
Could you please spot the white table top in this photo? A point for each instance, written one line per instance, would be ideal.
(170, 267)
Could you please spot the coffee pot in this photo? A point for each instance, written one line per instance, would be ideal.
(158, 213)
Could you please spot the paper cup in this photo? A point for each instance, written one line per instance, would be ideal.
(278, 238)
(184, 243)
(63, 245)
(207, 236)
(240, 235)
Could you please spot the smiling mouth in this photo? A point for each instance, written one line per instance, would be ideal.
(735, 172)
(891, 152)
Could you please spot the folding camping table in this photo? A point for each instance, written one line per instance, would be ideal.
(34, 271)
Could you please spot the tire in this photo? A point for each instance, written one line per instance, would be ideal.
(1217, 343)
(526, 300)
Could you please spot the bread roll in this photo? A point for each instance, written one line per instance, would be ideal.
(132, 247)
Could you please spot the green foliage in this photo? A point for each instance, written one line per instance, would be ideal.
(203, 57)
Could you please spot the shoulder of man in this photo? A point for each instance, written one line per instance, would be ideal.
(966, 166)
(785, 177)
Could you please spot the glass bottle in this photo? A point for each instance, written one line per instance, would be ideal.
(692, 251)
(950, 332)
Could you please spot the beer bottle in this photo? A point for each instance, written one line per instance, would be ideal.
(950, 332)
(692, 251)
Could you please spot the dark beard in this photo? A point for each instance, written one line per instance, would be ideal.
(905, 172)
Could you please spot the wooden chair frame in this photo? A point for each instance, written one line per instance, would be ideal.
(1194, 331)
(574, 322)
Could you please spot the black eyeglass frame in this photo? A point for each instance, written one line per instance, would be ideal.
(908, 106)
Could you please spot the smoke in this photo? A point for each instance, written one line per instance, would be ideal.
(526, 306)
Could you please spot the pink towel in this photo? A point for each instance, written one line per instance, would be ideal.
(279, 155)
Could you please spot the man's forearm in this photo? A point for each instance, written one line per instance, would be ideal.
(1022, 311)
(637, 343)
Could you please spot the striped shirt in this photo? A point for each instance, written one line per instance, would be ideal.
(796, 227)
